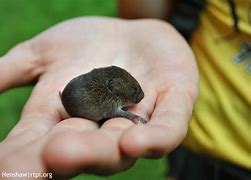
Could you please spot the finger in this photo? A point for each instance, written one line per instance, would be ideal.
(24, 160)
(42, 111)
(19, 66)
(90, 151)
(166, 129)
(27, 130)
(27, 158)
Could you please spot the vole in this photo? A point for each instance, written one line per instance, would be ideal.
(101, 94)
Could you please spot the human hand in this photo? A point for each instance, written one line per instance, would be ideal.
(46, 138)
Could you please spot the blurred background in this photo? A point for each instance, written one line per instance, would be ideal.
(21, 20)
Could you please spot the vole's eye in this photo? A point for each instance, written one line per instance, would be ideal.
(135, 90)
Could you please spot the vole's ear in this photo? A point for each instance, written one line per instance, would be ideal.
(115, 85)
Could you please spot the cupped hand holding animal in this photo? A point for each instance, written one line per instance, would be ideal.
(47, 139)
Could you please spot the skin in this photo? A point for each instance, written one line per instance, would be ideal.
(151, 50)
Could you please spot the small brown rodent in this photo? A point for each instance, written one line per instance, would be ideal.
(102, 94)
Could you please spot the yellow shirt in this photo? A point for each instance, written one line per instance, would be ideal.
(221, 123)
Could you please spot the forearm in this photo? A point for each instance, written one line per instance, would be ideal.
(134, 9)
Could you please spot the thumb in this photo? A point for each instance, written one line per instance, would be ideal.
(19, 66)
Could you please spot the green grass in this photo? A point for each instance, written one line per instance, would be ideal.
(21, 20)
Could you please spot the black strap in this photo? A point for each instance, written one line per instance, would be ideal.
(234, 14)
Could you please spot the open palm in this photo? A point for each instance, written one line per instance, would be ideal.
(46, 138)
